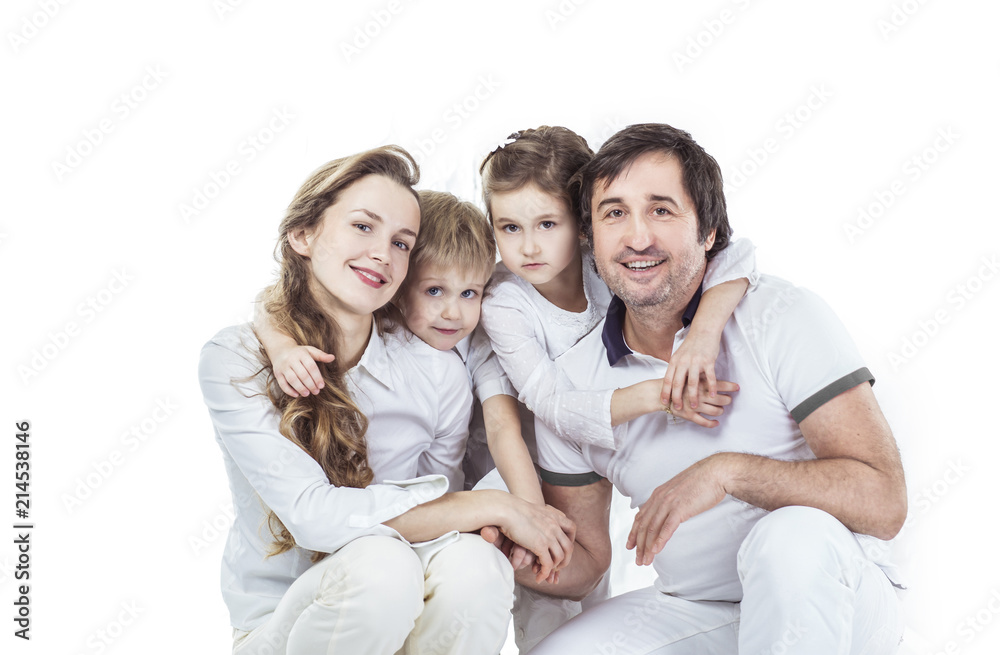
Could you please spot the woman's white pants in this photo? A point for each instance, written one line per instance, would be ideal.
(375, 596)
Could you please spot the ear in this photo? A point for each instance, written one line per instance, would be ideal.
(301, 241)
(710, 240)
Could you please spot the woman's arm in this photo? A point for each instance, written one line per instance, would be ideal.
(543, 530)
(320, 516)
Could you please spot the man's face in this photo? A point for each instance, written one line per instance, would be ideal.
(646, 233)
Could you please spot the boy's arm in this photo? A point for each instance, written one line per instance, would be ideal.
(294, 366)
(503, 436)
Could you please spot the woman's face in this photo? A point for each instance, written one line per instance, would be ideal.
(359, 254)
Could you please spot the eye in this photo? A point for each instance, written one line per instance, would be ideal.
(661, 211)
(402, 245)
(469, 293)
(509, 228)
(547, 225)
(615, 213)
(434, 291)
(363, 227)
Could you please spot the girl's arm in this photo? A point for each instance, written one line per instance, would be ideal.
(503, 436)
(294, 366)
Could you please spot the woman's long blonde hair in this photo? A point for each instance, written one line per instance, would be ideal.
(329, 426)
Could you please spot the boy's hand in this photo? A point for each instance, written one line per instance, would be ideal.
(693, 359)
(296, 372)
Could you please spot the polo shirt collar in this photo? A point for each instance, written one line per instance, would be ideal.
(614, 326)
(375, 360)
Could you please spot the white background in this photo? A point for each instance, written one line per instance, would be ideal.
(123, 522)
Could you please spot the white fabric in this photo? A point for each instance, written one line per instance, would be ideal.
(528, 332)
(376, 596)
(783, 345)
(808, 589)
(419, 442)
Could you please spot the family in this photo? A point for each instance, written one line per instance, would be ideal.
(419, 439)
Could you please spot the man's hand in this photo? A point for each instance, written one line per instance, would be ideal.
(692, 491)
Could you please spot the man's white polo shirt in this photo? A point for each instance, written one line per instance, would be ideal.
(788, 352)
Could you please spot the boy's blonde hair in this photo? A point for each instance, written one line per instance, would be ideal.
(453, 233)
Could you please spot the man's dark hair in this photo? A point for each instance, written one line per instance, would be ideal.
(702, 176)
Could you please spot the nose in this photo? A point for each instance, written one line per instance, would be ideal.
(637, 233)
(379, 250)
(450, 310)
(529, 246)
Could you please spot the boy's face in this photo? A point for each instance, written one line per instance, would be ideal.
(441, 303)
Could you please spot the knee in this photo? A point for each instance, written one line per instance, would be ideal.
(472, 572)
(796, 543)
(381, 570)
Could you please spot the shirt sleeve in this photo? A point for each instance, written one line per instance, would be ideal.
(512, 325)
(451, 429)
(488, 376)
(320, 516)
(810, 355)
(736, 261)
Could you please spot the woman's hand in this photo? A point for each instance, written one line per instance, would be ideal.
(541, 529)
(296, 371)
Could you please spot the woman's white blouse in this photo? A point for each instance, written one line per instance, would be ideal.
(418, 405)
(528, 332)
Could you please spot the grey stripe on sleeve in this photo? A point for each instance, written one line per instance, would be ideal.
(830, 391)
(570, 479)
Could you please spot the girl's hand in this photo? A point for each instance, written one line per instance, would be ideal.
(709, 405)
(296, 371)
(694, 359)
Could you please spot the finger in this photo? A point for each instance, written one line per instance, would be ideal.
(322, 356)
(710, 378)
(284, 386)
(304, 377)
(315, 377)
(725, 386)
(666, 531)
(517, 557)
(692, 387)
(667, 384)
(698, 419)
(677, 392)
(291, 377)
(490, 534)
(544, 565)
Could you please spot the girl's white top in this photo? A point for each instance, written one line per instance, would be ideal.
(418, 404)
(528, 332)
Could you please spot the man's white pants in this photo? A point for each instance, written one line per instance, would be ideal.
(808, 588)
(376, 596)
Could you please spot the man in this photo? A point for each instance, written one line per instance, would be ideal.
(763, 531)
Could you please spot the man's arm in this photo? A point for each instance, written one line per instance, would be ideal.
(589, 507)
(857, 477)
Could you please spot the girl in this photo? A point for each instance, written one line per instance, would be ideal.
(361, 551)
(547, 295)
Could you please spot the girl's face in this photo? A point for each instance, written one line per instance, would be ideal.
(359, 253)
(536, 234)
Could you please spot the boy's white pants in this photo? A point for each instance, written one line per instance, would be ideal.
(808, 587)
(376, 596)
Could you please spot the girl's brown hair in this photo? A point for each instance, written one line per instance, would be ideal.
(546, 156)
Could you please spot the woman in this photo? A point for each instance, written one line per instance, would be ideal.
(327, 553)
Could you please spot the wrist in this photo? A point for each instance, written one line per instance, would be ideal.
(724, 466)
